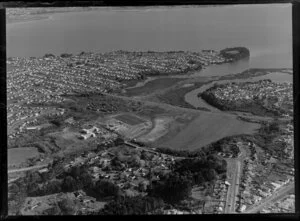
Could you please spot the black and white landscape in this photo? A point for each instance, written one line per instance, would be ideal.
(150, 110)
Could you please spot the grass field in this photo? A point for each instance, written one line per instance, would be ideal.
(208, 128)
(17, 156)
(176, 96)
(129, 119)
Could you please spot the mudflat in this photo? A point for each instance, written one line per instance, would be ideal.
(208, 128)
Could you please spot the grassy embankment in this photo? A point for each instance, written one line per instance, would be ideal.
(175, 96)
(153, 86)
(252, 72)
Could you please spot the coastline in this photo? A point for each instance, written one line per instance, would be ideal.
(44, 15)
(29, 19)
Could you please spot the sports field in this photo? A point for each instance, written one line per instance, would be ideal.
(129, 119)
(208, 128)
(17, 156)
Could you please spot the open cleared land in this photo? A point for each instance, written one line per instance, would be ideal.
(159, 130)
(65, 203)
(128, 125)
(206, 129)
(129, 119)
(17, 156)
(153, 86)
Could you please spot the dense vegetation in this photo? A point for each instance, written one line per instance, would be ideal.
(49, 55)
(133, 205)
(268, 134)
(242, 52)
(176, 186)
(253, 106)
(181, 153)
(199, 168)
(75, 179)
(172, 188)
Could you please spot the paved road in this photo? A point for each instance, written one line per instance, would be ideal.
(231, 178)
(234, 169)
(27, 168)
(279, 194)
(233, 188)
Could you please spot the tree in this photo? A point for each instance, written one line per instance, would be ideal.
(174, 189)
(48, 55)
(33, 177)
(119, 141)
(69, 184)
(198, 178)
(210, 174)
(105, 188)
(65, 55)
(56, 122)
(75, 172)
(13, 188)
(86, 180)
(53, 186)
(66, 206)
(217, 163)
(33, 189)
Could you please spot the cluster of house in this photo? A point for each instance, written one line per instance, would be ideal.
(220, 193)
(90, 71)
(93, 132)
(286, 205)
(286, 140)
(133, 178)
(162, 62)
(251, 191)
(180, 212)
(44, 80)
(273, 95)
(21, 118)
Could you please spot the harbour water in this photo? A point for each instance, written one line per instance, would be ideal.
(257, 27)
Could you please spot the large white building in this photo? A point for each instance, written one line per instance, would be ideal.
(87, 133)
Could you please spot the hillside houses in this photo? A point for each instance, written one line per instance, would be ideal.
(272, 96)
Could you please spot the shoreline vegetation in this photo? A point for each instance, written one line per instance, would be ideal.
(252, 72)
(176, 96)
(235, 53)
